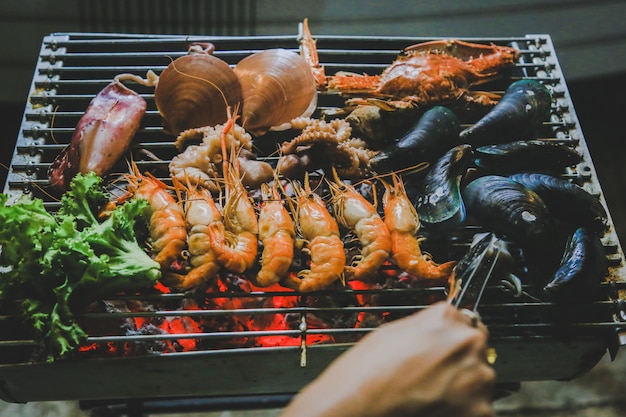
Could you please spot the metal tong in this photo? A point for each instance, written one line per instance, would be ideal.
(471, 275)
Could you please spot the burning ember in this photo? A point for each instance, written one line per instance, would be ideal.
(233, 313)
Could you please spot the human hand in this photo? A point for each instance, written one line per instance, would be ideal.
(432, 363)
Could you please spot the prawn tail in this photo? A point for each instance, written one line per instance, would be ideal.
(195, 278)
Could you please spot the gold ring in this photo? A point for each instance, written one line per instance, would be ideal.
(472, 315)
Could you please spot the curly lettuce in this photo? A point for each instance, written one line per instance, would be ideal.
(52, 265)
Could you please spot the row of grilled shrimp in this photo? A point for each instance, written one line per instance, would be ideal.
(228, 238)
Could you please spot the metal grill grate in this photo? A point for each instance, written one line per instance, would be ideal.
(534, 339)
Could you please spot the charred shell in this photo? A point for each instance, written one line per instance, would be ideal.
(523, 107)
(508, 209)
(277, 86)
(436, 131)
(574, 205)
(527, 155)
(582, 268)
(440, 204)
(195, 91)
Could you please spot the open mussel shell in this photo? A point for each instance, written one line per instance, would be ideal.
(575, 205)
(195, 91)
(582, 268)
(440, 205)
(509, 209)
(277, 87)
(527, 155)
(434, 133)
(521, 110)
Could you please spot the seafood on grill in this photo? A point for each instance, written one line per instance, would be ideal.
(403, 223)
(200, 212)
(278, 236)
(168, 231)
(533, 155)
(583, 267)
(521, 110)
(436, 131)
(324, 145)
(277, 86)
(201, 161)
(576, 206)
(425, 74)
(509, 209)
(102, 136)
(440, 205)
(195, 90)
(355, 213)
(321, 241)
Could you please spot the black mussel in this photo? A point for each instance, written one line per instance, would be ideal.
(526, 155)
(583, 267)
(508, 209)
(431, 136)
(574, 205)
(439, 205)
(521, 110)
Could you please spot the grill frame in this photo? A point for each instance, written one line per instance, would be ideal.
(527, 350)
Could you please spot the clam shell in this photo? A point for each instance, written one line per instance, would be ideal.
(277, 86)
(195, 91)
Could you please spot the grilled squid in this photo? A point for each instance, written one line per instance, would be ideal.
(103, 134)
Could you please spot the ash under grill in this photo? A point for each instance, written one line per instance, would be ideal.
(170, 345)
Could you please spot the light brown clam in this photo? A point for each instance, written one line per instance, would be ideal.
(277, 86)
(194, 91)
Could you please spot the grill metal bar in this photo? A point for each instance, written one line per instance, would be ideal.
(73, 67)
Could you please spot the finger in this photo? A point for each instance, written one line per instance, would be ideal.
(473, 387)
(472, 318)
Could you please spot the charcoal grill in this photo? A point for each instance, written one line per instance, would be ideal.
(535, 340)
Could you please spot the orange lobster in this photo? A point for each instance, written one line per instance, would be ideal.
(425, 74)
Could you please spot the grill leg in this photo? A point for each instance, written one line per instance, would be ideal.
(128, 409)
(148, 407)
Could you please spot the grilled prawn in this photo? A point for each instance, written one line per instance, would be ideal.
(168, 232)
(200, 212)
(355, 213)
(278, 235)
(235, 241)
(320, 232)
(403, 222)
